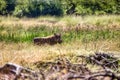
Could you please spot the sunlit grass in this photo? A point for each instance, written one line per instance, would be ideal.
(96, 22)
(22, 53)
(107, 21)
(82, 35)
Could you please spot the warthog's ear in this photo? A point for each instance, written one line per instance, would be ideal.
(57, 34)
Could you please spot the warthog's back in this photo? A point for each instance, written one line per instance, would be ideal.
(54, 39)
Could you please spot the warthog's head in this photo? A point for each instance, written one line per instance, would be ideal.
(58, 38)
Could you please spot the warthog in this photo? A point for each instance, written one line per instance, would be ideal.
(54, 39)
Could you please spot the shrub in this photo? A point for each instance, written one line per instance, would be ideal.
(2, 7)
(34, 8)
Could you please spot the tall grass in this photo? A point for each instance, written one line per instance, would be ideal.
(19, 34)
(77, 40)
(99, 22)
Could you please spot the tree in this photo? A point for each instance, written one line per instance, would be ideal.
(33, 8)
(2, 7)
(10, 6)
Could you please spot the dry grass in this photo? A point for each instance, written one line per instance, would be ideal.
(25, 54)
(94, 22)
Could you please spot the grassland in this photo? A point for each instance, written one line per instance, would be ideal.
(81, 35)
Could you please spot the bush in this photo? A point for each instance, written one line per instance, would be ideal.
(83, 11)
(7, 6)
(22, 8)
(10, 6)
(53, 8)
(34, 8)
(2, 7)
(97, 7)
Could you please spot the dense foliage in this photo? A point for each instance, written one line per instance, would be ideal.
(33, 8)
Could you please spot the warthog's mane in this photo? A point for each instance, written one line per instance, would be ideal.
(46, 37)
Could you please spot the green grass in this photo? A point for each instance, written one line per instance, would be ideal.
(19, 34)
(72, 28)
